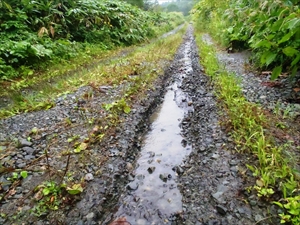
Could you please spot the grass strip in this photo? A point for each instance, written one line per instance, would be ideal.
(249, 128)
(114, 71)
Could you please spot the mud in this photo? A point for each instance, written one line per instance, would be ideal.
(169, 162)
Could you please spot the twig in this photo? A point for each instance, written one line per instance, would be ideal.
(47, 161)
(67, 168)
(263, 219)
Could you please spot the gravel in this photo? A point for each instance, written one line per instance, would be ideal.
(209, 179)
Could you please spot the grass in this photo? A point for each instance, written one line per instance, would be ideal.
(249, 126)
(136, 72)
(94, 67)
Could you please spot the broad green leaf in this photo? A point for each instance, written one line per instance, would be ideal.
(268, 57)
(292, 24)
(286, 37)
(81, 147)
(127, 109)
(24, 174)
(276, 72)
(262, 43)
(75, 189)
(230, 30)
(289, 51)
(296, 60)
(46, 191)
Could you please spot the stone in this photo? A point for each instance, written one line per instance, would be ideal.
(164, 177)
(89, 177)
(151, 169)
(221, 209)
(29, 150)
(132, 186)
(24, 143)
(21, 165)
(90, 216)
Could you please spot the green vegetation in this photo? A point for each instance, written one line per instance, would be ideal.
(248, 124)
(270, 29)
(35, 34)
(183, 6)
(47, 46)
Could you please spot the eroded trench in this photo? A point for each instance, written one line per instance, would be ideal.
(152, 195)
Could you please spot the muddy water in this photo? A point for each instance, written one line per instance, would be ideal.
(153, 196)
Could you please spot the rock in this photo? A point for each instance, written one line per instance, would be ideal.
(133, 186)
(80, 222)
(89, 177)
(164, 177)
(183, 143)
(90, 216)
(24, 143)
(28, 157)
(258, 217)
(221, 209)
(28, 150)
(178, 170)
(130, 178)
(233, 162)
(215, 156)
(129, 166)
(21, 165)
(151, 169)
(151, 154)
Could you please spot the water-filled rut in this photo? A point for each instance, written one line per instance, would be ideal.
(153, 196)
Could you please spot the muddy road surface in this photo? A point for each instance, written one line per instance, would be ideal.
(169, 161)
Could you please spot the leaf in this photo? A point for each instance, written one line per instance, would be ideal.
(81, 147)
(262, 43)
(259, 183)
(296, 60)
(276, 72)
(24, 174)
(126, 109)
(296, 89)
(293, 23)
(46, 191)
(286, 37)
(289, 51)
(75, 189)
(230, 30)
(268, 57)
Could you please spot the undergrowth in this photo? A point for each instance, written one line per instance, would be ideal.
(274, 171)
(271, 29)
(37, 93)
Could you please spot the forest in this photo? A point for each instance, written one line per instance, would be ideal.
(35, 34)
(270, 29)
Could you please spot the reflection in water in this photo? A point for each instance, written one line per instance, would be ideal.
(154, 195)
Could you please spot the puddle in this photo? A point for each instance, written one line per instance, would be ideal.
(153, 196)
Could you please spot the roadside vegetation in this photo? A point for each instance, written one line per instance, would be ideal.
(45, 43)
(271, 30)
(61, 189)
(51, 48)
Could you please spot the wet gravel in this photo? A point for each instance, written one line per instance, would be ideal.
(211, 179)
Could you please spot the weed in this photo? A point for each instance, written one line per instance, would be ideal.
(249, 124)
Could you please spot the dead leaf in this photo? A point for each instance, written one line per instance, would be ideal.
(39, 195)
(266, 72)
(120, 221)
(259, 183)
(271, 83)
(11, 192)
(296, 89)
